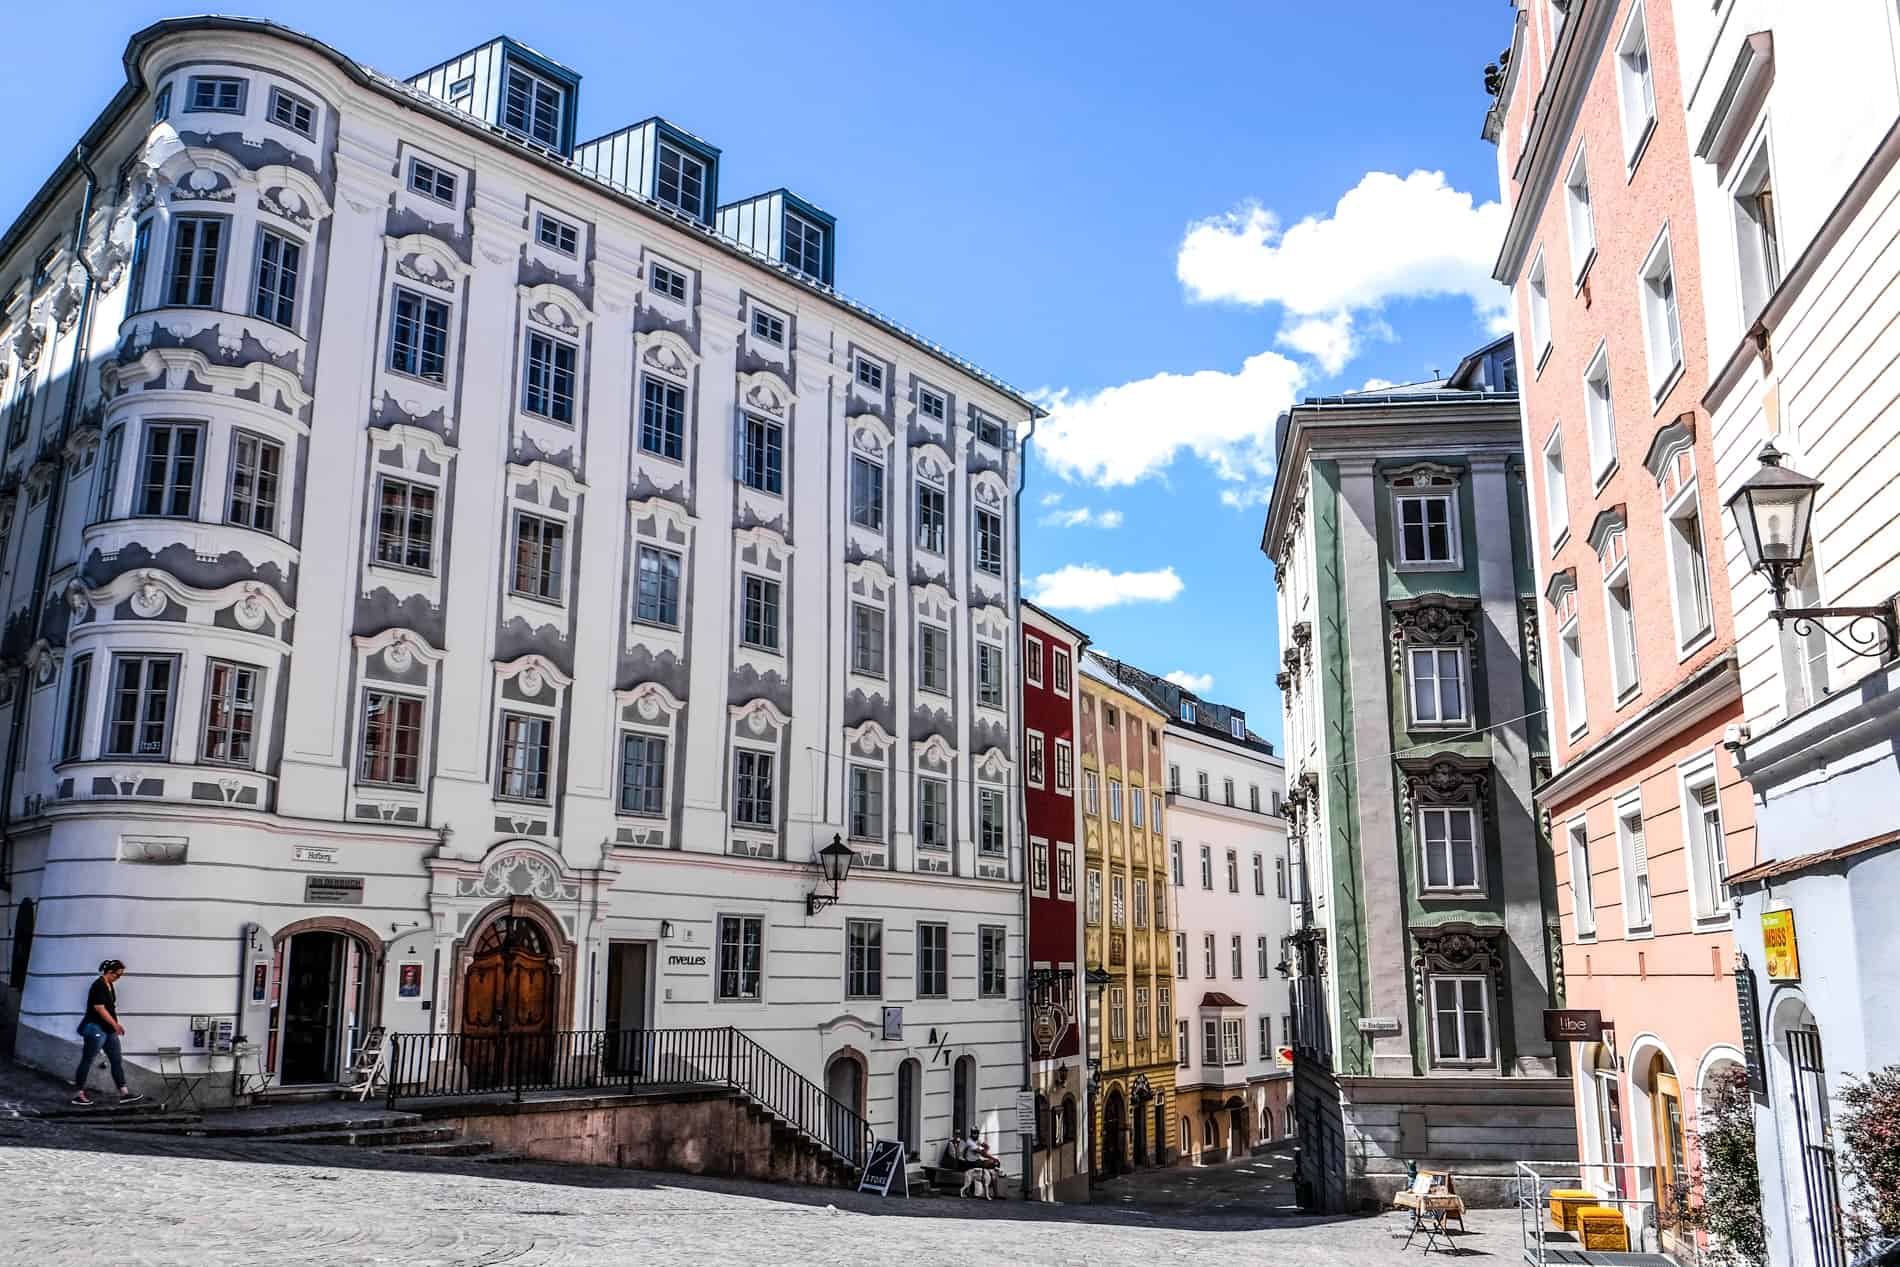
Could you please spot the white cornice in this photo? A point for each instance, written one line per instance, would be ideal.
(252, 601)
(1710, 689)
(174, 363)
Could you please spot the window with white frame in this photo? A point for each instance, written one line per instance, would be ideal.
(1065, 766)
(1039, 867)
(1117, 1013)
(867, 493)
(867, 803)
(1427, 528)
(1556, 495)
(1635, 86)
(548, 385)
(933, 659)
(1180, 956)
(1092, 904)
(1662, 325)
(1633, 851)
(1065, 871)
(1563, 601)
(933, 961)
(279, 264)
(1757, 237)
(1141, 902)
(1201, 779)
(1233, 871)
(1237, 727)
(419, 336)
(1438, 685)
(1804, 657)
(162, 104)
(540, 557)
(864, 958)
(989, 542)
(1114, 800)
(932, 518)
(662, 418)
(256, 474)
(1032, 758)
(1141, 1011)
(642, 774)
(230, 716)
(1266, 1037)
(1448, 840)
(1117, 900)
(1235, 961)
(1227, 792)
(681, 180)
(870, 374)
(1279, 877)
(1232, 1053)
(168, 470)
(933, 814)
(989, 430)
(867, 639)
(1207, 866)
(532, 106)
(1578, 216)
(1688, 563)
(392, 739)
(989, 675)
(1210, 1040)
(1600, 414)
(1264, 962)
(1135, 801)
(1620, 620)
(1061, 663)
(1708, 846)
(753, 798)
(197, 262)
(1461, 1020)
(1259, 875)
(556, 234)
(759, 613)
(1207, 956)
(1537, 287)
(990, 837)
(657, 587)
(741, 956)
(1582, 882)
(522, 771)
(1032, 659)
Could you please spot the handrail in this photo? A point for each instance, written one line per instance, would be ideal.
(611, 1061)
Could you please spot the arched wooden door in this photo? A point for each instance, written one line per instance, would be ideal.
(509, 1000)
(1114, 1129)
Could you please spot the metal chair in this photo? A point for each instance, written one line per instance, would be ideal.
(253, 1080)
(181, 1086)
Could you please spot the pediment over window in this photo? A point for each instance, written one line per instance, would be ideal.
(532, 674)
(766, 392)
(869, 434)
(1465, 949)
(1424, 475)
(1670, 438)
(869, 739)
(555, 307)
(1609, 523)
(1433, 620)
(1444, 779)
(1562, 584)
(666, 352)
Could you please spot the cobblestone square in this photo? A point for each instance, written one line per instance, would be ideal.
(85, 1195)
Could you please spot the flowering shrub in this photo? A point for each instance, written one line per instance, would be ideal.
(1730, 1187)
(1870, 1136)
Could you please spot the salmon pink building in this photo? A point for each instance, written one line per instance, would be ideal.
(1645, 811)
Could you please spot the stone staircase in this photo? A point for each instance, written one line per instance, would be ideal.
(323, 1124)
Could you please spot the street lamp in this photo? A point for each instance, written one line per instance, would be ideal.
(1773, 511)
(834, 864)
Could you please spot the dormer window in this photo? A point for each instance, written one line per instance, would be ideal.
(533, 107)
(1237, 727)
(804, 245)
(682, 181)
(1187, 711)
(462, 92)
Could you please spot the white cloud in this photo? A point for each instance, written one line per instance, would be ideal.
(1199, 683)
(1387, 238)
(1241, 498)
(1377, 384)
(1050, 499)
(1328, 340)
(1081, 517)
(1125, 433)
(1088, 588)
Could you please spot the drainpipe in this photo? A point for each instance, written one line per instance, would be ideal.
(1016, 613)
(49, 525)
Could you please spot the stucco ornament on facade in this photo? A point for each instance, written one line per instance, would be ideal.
(1458, 949)
(1435, 620)
(520, 874)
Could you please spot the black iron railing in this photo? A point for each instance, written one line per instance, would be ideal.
(607, 1061)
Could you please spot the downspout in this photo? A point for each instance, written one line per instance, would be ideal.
(49, 526)
(1016, 616)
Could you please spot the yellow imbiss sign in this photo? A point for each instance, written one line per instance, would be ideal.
(1777, 939)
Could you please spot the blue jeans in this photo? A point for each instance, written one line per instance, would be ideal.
(97, 1036)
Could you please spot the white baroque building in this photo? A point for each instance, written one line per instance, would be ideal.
(428, 540)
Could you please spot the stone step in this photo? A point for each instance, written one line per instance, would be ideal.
(307, 1125)
(377, 1137)
(104, 1110)
(459, 1146)
(146, 1123)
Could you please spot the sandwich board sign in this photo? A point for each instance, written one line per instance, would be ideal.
(885, 1167)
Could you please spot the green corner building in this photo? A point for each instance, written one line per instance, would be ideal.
(1425, 947)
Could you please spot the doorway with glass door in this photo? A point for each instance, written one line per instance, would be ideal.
(323, 1000)
(629, 964)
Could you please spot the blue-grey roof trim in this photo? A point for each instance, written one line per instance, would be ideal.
(135, 87)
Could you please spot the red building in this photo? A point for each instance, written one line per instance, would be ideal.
(1058, 1061)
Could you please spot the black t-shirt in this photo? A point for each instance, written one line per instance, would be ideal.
(101, 993)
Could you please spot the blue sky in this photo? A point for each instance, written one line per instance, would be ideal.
(1136, 211)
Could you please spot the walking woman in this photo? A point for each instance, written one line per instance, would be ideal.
(100, 1027)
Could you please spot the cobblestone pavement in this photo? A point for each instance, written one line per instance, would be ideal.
(79, 1194)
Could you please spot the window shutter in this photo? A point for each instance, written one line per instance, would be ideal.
(1639, 850)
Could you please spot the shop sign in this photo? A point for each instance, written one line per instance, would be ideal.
(1573, 1025)
(1778, 940)
(333, 890)
(1750, 1016)
(323, 854)
(1379, 1026)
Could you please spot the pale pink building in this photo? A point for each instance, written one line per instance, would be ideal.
(1645, 811)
